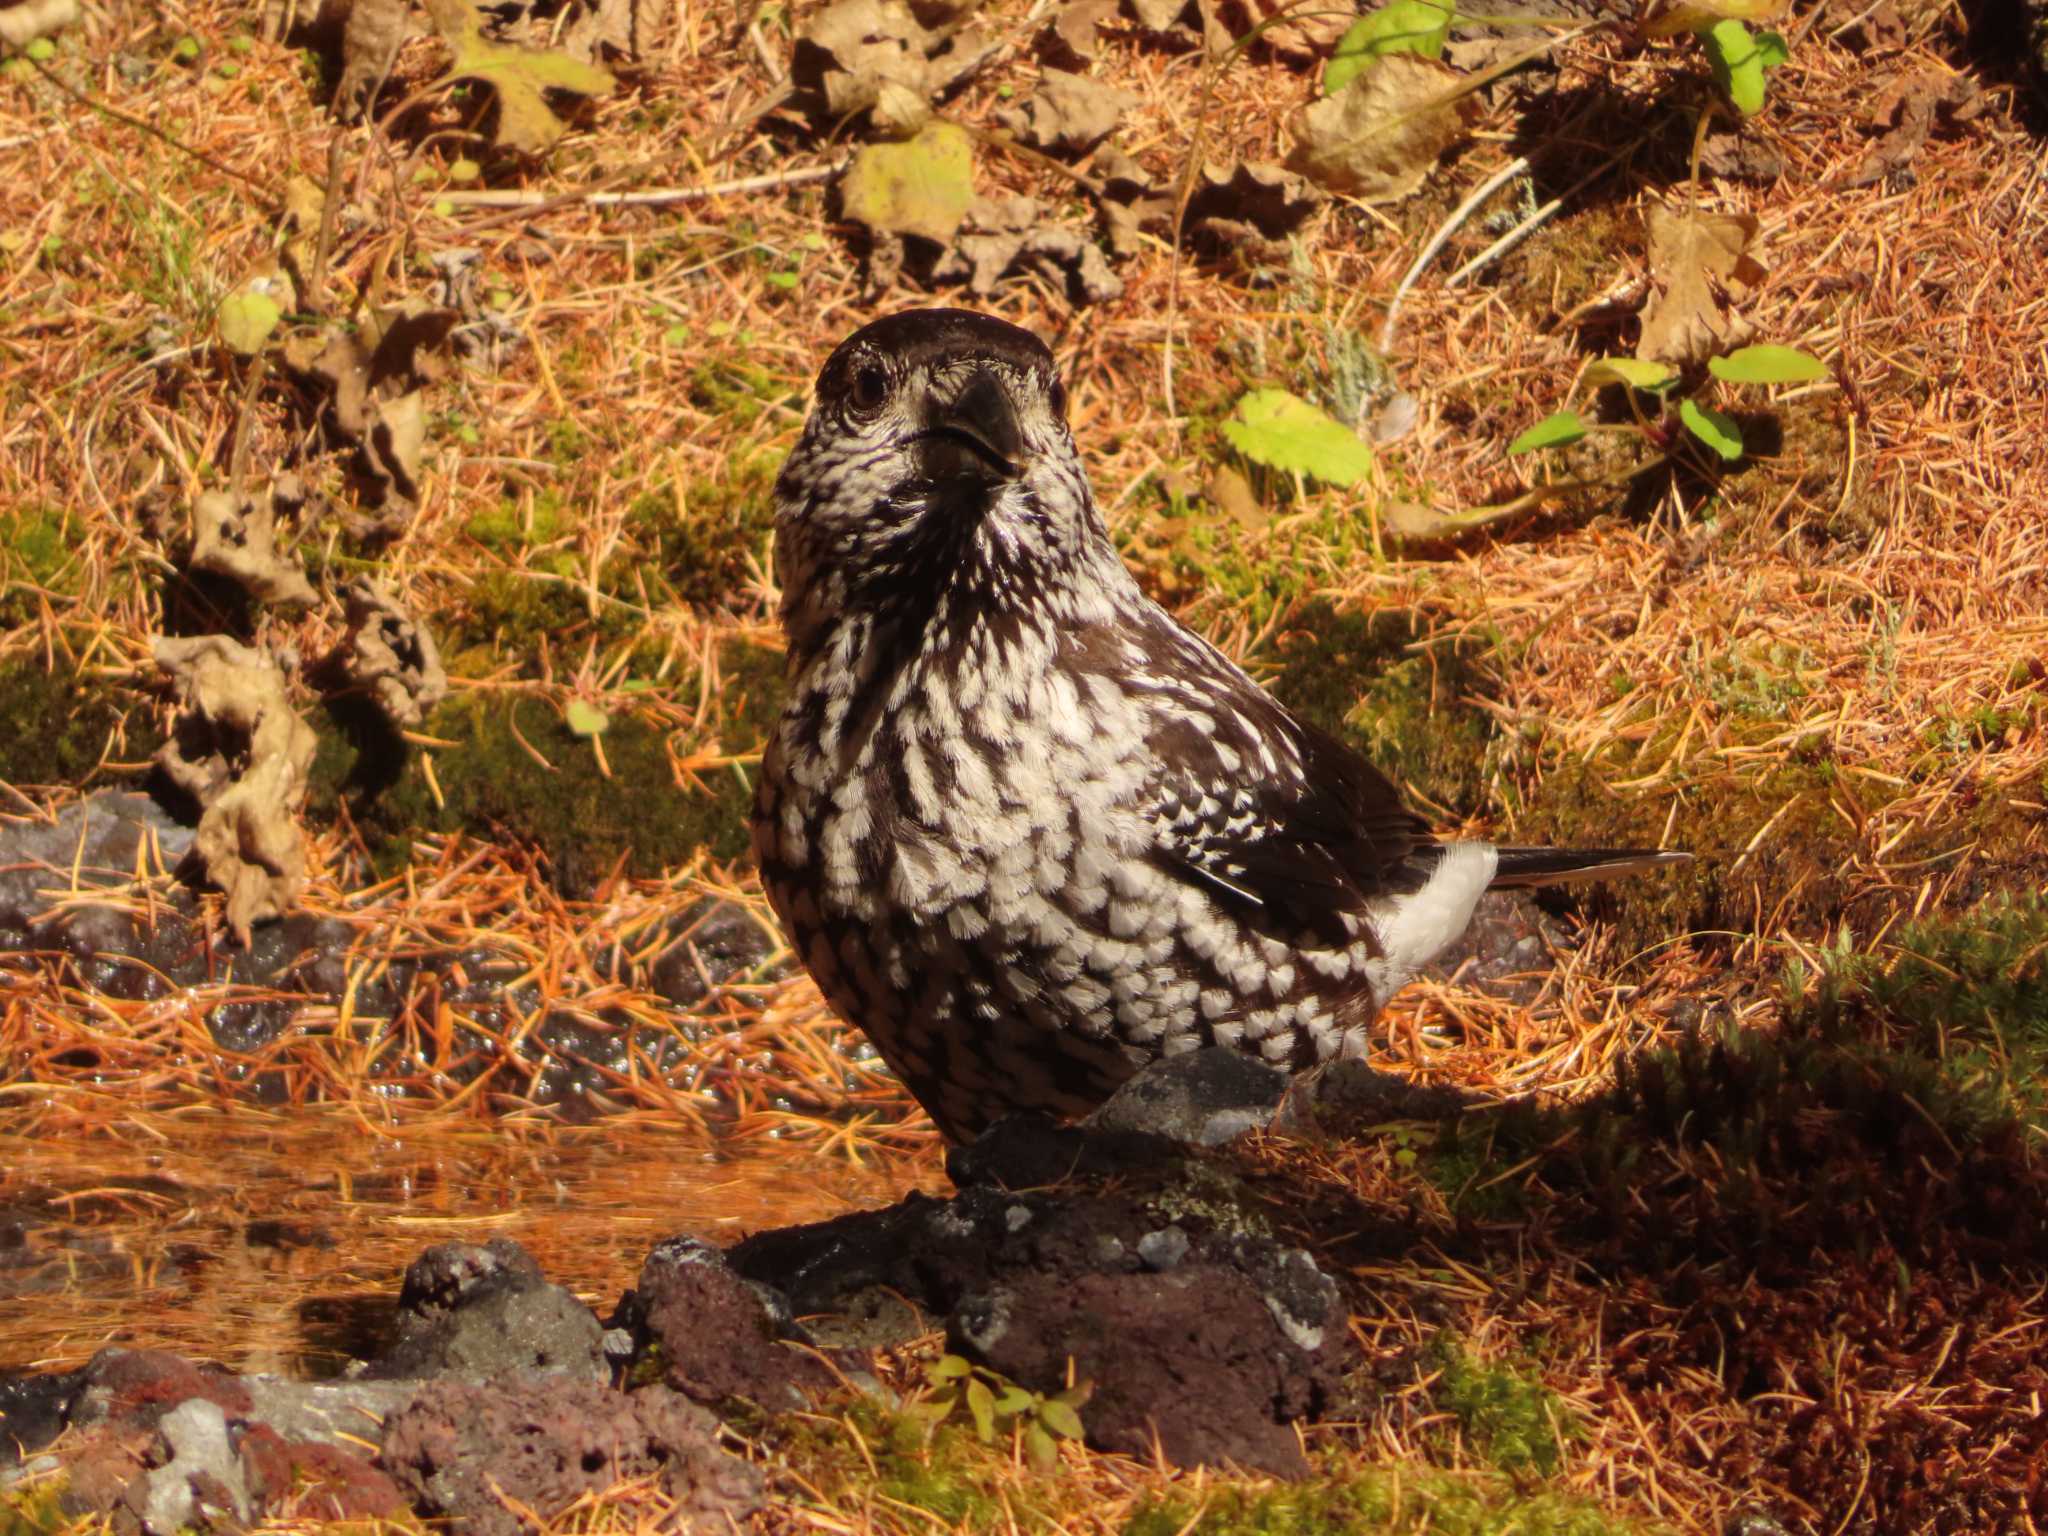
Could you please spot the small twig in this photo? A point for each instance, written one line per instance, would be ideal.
(657, 197)
(316, 280)
(1535, 221)
(1449, 227)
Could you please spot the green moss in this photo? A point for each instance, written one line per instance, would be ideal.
(1507, 1415)
(509, 527)
(1377, 1502)
(55, 727)
(1409, 710)
(1461, 1164)
(38, 549)
(582, 819)
(36, 1510)
(703, 543)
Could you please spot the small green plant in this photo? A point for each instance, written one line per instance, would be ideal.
(993, 1402)
(1689, 417)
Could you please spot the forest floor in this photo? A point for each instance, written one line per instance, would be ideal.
(1759, 1221)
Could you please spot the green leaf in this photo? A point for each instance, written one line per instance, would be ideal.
(1632, 371)
(1553, 431)
(982, 1404)
(947, 1368)
(519, 76)
(1040, 1448)
(1060, 1419)
(638, 685)
(1698, 15)
(246, 318)
(1283, 431)
(41, 49)
(464, 169)
(1012, 1400)
(585, 718)
(921, 186)
(1404, 26)
(1737, 62)
(1767, 365)
(1717, 431)
(1772, 49)
(784, 279)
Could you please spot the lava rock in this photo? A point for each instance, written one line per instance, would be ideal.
(33, 1412)
(291, 1479)
(199, 1482)
(719, 1336)
(137, 1387)
(1193, 1360)
(1204, 1098)
(471, 1453)
(478, 1312)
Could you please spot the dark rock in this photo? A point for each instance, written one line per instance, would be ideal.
(99, 836)
(1193, 1360)
(469, 1452)
(720, 1336)
(342, 1413)
(1028, 1151)
(33, 1412)
(477, 1312)
(1204, 1098)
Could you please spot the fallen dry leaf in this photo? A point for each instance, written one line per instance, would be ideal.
(1247, 211)
(371, 35)
(997, 238)
(389, 654)
(239, 749)
(1907, 111)
(236, 536)
(1068, 113)
(848, 57)
(1740, 159)
(608, 26)
(1379, 137)
(371, 380)
(923, 186)
(26, 20)
(520, 77)
(1699, 264)
(1078, 26)
(1295, 31)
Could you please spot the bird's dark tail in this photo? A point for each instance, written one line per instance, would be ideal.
(1574, 866)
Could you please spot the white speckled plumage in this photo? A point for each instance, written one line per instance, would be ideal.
(1024, 829)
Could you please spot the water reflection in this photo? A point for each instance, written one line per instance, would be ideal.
(278, 1245)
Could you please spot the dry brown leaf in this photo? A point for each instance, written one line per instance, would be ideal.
(1295, 31)
(1379, 137)
(1907, 110)
(22, 23)
(609, 26)
(389, 654)
(1068, 112)
(998, 238)
(1077, 27)
(1699, 263)
(849, 52)
(372, 378)
(371, 36)
(1247, 211)
(236, 536)
(238, 748)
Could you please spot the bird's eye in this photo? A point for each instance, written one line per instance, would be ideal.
(870, 388)
(1056, 397)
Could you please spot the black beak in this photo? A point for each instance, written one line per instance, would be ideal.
(974, 435)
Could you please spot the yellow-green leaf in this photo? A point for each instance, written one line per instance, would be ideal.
(1403, 26)
(519, 76)
(585, 718)
(1767, 365)
(1060, 1419)
(1717, 431)
(246, 319)
(1632, 371)
(1737, 62)
(922, 186)
(982, 1404)
(1283, 431)
(1553, 431)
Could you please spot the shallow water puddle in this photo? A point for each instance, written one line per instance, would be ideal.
(279, 1245)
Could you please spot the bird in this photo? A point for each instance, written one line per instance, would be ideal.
(1026, 830)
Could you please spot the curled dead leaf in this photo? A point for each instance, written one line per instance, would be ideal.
(239, 749)
(371, 379)
(1700, 264)
(390, 655)
(1068, 113)
(519, 77)
(849, 55)
(236, 536)
(1379, 137)
(372, 32)
(1000, 237)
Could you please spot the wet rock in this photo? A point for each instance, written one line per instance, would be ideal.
(472, 1453)
(1192, 1359)
(100, 837)
(476, 1312)
(1204, 1098)
(290, 1479)
(719, 1336)
(33, 1412)
(1162, 1284)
